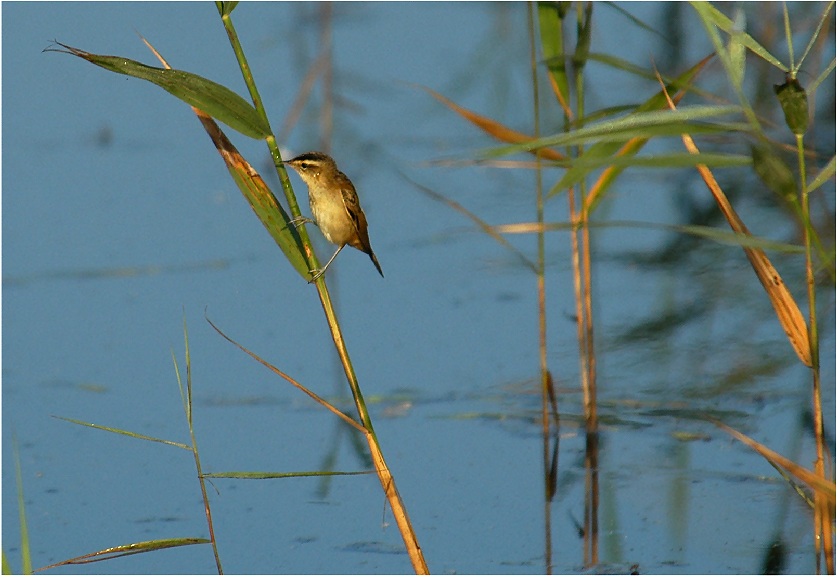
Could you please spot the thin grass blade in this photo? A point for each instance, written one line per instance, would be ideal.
(129, 549)
(25, 548)
(292, 381)
(725, 237)
(668, 160)
(124, 432)
(823, 75)
(485, 227)
(826, 174)
(272, 475)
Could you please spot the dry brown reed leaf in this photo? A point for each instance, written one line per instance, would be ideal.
(494, 128)
(783, 302)
(810, 478)
(484, 226)
(790, 317)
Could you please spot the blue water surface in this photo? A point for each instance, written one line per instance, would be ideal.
(120, 222)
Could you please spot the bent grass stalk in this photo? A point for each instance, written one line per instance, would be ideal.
(243, 171)
(384, 474)
(186, 397)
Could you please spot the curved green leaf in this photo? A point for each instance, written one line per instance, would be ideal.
(824, 176)
(668, 160)
(710, 14)
(604, 149)
(129, 549)
(638, 125)
(216, 100)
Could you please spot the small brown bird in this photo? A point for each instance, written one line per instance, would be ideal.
(334, 205)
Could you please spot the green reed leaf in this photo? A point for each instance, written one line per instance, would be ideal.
(639, 125)
(826, 174)
(710, 14)
(214, 99)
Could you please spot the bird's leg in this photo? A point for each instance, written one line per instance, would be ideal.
(301, 220)
(320, 272)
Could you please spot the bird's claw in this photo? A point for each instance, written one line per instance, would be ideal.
(300, 220)
(316, 273)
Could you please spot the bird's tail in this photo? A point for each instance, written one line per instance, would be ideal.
(375, 262)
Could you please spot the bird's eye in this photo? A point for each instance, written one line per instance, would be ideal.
(304, 166)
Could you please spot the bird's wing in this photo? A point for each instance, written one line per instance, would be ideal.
(352, 205)
(350, 201)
